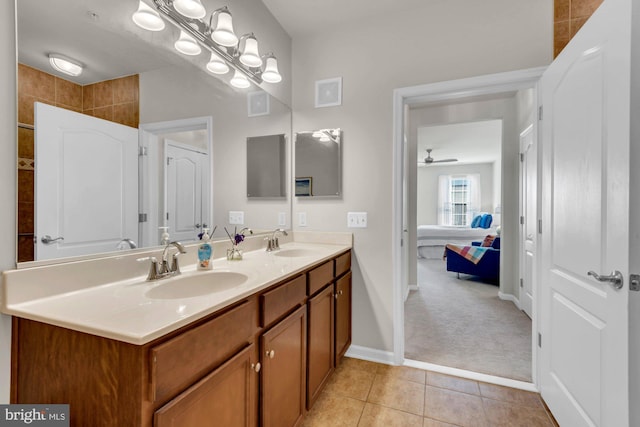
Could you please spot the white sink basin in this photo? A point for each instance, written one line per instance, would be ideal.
(195, 285)
(294, 253)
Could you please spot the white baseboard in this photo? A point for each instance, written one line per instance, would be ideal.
(370, 354)
(414, 287)
(509, 297)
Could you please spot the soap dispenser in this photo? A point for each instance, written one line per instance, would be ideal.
(205, 252)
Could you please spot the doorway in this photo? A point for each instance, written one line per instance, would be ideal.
(456, 95)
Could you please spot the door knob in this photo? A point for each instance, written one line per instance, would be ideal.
(47, 240)
(615, 278)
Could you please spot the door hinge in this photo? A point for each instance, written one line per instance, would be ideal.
(539, 226)
(539, 340)
(521, 282)
(634, 282)
(167, 215)
(521, 157)
(401, 242)
(142, 217)
(540, 112)
(522, 219)
(142, 151)
(168, 160)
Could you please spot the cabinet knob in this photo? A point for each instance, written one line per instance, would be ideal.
(256, 366)
(270, 354)
(337, 294)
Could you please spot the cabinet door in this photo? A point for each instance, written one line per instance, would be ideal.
(226, 397)
(320, 342)
(284, 354)
(343, 316)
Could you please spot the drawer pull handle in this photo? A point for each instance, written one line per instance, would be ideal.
(271, 354)
(256, 366)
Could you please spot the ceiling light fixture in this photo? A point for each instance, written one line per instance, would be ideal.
(217, 36)
(147, 18)
(190, 8)
(65, 64)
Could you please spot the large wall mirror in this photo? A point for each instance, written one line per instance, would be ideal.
(190, 128)
(267, 167)
(318, 163)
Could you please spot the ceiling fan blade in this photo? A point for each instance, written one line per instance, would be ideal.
(445, 160)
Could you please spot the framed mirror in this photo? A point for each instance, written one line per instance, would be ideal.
(318, 163)
(266, 167)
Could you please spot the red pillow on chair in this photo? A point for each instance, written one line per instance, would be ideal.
(486, 243)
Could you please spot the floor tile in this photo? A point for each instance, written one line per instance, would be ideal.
(521, 397)
(334, 411)
(430, 422)
(452, 383)
(454, 407)
(380, 416)
(402, 373)
(403, 395)
(359, 364)
(352, 383)
(506, 414)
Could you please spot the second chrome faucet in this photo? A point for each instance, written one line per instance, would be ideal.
(272, 242)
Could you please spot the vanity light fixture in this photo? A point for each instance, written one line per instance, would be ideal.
(217, 36)
(190, 8)
(147, 18)
(187, 45)
(65, 64)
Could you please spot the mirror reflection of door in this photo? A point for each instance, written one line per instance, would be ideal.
(184, 180)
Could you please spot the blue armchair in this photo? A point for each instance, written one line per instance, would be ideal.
(488, 268)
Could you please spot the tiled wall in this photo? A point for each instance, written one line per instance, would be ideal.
(569, 16)
(114, 100)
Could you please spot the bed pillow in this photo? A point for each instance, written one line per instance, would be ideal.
(476, 221)
(485, 221)
(488, 241)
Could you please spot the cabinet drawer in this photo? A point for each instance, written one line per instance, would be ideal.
(343, 264)
(281, 300)
(181, 361)
(320, 276)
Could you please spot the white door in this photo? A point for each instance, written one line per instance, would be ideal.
(584, 364)
(185, 192)
(528, 176)
(86, 183)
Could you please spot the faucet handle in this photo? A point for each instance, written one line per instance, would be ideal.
(175, 267)
(269, 244)
(153, 269)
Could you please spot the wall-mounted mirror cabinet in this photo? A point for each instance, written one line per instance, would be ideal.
(318, 163)
(266, 167)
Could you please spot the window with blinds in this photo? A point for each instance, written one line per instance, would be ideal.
(459, 196)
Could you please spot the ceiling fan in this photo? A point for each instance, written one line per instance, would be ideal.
(428, 160)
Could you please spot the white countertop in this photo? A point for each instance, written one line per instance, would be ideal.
(124, 310)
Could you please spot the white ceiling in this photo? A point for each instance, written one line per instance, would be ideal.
(473, 142)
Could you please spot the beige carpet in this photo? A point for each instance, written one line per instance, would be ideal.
(462, 323)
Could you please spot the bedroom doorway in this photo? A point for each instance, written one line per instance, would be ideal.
(485, 104)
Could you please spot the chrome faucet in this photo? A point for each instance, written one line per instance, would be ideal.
(174, 268)
(272, 242)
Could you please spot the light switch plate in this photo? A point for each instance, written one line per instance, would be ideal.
(236, 217)
(357, 219)
(302, 219)
(282, 219)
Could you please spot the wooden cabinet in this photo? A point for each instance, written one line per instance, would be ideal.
(320, 342)
(284, 355)
(225, 397)
(342, 316)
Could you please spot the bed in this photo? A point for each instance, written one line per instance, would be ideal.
(433, 238)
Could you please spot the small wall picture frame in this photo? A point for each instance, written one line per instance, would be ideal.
(329, 92)
(304, 186)
(258, 103)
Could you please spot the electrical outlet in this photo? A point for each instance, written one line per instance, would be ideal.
(282, 219)
(236, 217)
(357, 219)
(302, 219)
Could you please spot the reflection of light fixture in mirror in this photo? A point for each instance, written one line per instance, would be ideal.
(65, 65)
(187, 45)
(217, 36)
(216, 65)
(325, 135)
(270, 73)
(147, 18)
(239, 80)
(190, 8)
(223, 32)
(249, 55)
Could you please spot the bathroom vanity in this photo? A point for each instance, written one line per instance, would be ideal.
(259, 353)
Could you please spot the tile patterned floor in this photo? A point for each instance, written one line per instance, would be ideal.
(362, 393)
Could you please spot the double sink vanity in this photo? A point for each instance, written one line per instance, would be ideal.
(248, 343)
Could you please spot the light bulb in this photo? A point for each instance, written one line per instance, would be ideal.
(250, 56)
(190, 8)
(147, 18)
(270, 73)
(239, 80)
(216, 65)
(223, 33)
(187, 44)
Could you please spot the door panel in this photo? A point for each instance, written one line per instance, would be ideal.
(528, 176)
(86, 183)
(585, 143)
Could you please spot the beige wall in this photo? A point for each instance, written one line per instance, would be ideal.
(443, 40)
